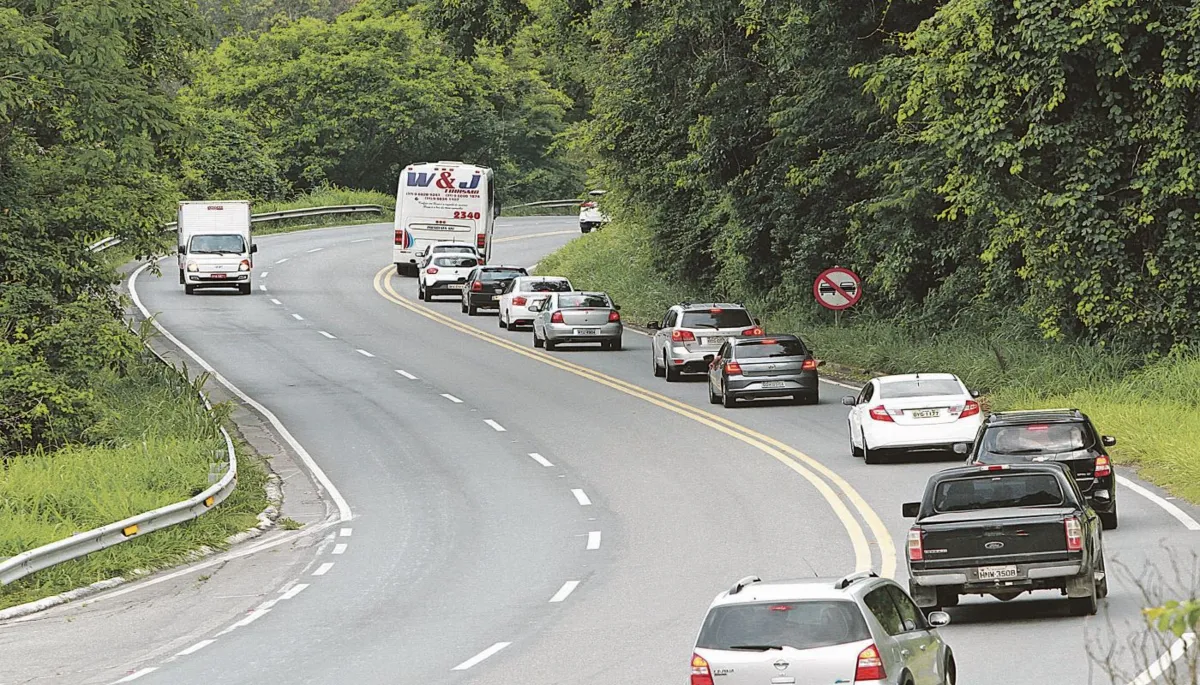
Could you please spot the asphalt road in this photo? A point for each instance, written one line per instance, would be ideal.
(528, 517)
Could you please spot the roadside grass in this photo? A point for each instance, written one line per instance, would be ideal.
(1154, 411)
(153, 446)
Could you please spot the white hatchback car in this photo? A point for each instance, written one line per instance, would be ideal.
(912, 413)
(523, 291)
(860, 629)
(436, 249)
(444, 274)
(590, 216)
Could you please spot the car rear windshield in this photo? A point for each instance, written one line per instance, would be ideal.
(1035, 439)
(894, 390)
(217, 244)
(499, 275)
(800, 625)
(569, 301)
(996, 492)
(546, 287)
(455, 262)
(716, 318)
(760, 349)
(453, 248)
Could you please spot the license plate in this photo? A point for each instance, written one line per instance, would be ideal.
(926, 414)
(587, 331)
(997, 572)
(455, 286)
(772, 385)
(712, 341)
(495, 298)
(217, 276)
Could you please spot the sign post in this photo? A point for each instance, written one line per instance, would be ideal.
(837, 289)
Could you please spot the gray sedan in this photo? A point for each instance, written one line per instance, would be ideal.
(576, 317)
(761, 368)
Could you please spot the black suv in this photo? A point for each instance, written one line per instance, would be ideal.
(1062, 435)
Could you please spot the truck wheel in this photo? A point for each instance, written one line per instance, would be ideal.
(189, 290)
(244, 288)
(1084, 606)
(1108, 521)
(947, 598)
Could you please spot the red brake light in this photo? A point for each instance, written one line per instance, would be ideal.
(809, 365)
(519, 301)
(880, 414)
(682, 336)
(715, 311)
(994, 467)
(431, 270)
(481, 240)
(870, 665)
(588, 205)
(1037, 427)
(1074, 534)
(971, 408)
(614, 316)
(916, 552)
(399, 237)
(700, 672)
(734, 368)
(753, 331)
(1103, 466)
(476, 287)
(556, 317)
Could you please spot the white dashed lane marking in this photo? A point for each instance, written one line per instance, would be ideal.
(297, 317)
(275, 301)
(497, 427)
(452, 398)
(593, 540)
(323, 569)
(264, 274)
(481, 656)
(329, 335)
(340, 549)
(406, 374)
(539, 459)
(364, 353)
(565, 591)
(347, 532)
(316, 249)
(281, 261)
(581, 497)
(290, 594)
(137, 674)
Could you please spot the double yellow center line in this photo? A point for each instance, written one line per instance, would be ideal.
(825, 480)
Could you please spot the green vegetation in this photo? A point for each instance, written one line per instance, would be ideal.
(325, 197)
(151, 444)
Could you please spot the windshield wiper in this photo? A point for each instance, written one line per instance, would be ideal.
(755, 648)
(703, 325)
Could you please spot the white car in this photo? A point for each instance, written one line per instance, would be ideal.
(590, 215)
(912, 412)
(524, 291)
(444, 274)
(435, 249)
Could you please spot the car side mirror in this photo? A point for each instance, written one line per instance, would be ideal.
(710, 358)
(820, 362)
(962, 448)
(253, 248)
(182, 249)
(849, 400)
(496, 210)
(911, 509)
(1108, 440)
(654, 326)
(758, 322)
(617, 307)
(975, 394)
(534, 307)
(937, 619)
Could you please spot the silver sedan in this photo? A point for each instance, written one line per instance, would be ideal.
(577, 317)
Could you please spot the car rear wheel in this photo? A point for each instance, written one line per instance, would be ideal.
(870, 456)
(537, 342)
(669, 371)
(658, 370)
(500, 319)
(713, 398)
(1102, 583)
(550, 345)
(727, 400)
(950, 670)
(854, 450)
(472, 310)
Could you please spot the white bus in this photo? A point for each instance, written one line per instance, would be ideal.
(443, 202)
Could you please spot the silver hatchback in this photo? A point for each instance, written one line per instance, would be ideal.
(860, 629)
(688, 337)
(577, 317)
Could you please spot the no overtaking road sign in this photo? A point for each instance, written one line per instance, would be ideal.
(838, 288)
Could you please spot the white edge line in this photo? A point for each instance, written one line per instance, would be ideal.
(323, 569)
(1187, 521)
(497, 427)
(1155, 670)
(452, 398)
(343, 507)
(137, 674)
(565, 591)
(581, 497)
(406, 374)
(593, 540)
(340, 548)
(291, 594)
(475, 660)
(329, 335)
(195, 648)
(540, 459)
(364, 353)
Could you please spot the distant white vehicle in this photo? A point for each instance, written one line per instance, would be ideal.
(524, 291)
(215, 248)
(444, 274)
(912, 412)
(590, 216)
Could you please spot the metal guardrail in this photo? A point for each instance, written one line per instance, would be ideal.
(549, 204)
(82, 544)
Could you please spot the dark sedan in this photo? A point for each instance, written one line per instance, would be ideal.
(759, 368)
(485, 285)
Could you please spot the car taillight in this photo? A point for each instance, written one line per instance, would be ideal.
(682, 336)
(753, 331)
(916, 552)
(556, 317)
(244, 266)
(1074, 534)
(870, 665)
(809, 365)
(519, 301)
(431, 270)
(1103, 466)
(700, 672)
(476, 287)
(481, 240)
(880, 414)
(614, 316)
(971, 408)
(733, 368)
(588, 205)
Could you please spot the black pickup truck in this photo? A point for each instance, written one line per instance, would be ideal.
(1001, 530)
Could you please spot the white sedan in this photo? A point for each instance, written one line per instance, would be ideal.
(523, 291)
(910, 413)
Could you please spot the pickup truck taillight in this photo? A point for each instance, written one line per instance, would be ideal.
(916, 552)
(1074, 534)
(1103, 466)
(880, 413)
(476, 287)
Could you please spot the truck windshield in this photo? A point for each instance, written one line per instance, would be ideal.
(799, 625)
(1038, 438)
(217, 244)
(998, 492)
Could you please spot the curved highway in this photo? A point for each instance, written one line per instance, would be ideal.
(546, 518)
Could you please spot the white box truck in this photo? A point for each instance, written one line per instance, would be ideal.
(443, 202)
(215, 246)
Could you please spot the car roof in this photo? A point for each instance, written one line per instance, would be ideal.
(1020, 418)
(542, 278)
(1022, 467)
(501, 267)
(700, 306)
(759, 341)
(794, 589)
(583, 292)
(917, 377)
